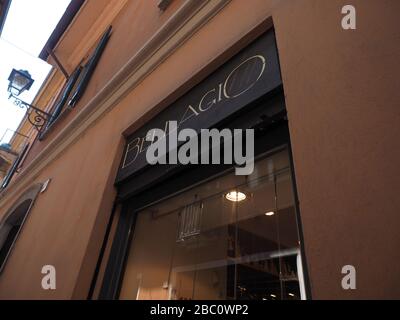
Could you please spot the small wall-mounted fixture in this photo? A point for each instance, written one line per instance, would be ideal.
(20, 81)
(163, 4)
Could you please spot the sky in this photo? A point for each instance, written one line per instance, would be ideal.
(28, 25)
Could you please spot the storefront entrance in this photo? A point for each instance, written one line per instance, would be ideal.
(194, 231)
(234, 237)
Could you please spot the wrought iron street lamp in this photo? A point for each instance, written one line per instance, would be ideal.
(19, 81)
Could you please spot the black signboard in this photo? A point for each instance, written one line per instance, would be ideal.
(246, 77)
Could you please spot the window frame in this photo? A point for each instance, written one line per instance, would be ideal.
(7, 179)
(76, 84)
(274, 137)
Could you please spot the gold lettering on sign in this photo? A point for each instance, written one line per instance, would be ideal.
(232, 74)
(192, 113)
(209, 104)
(242, 78)
(130, 147)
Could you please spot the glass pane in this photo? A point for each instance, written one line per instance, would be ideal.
(201, 245)
(147, 270)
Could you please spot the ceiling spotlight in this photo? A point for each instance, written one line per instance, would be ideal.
(235, 196)
(270, 213)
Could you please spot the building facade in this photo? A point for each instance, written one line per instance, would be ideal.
(323, 103)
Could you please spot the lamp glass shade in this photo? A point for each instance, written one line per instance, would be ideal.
(19, 81)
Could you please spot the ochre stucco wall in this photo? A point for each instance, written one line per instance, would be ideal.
(341, 99)
(132, 28)
(342, 95)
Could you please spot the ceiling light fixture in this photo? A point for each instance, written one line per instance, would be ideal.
(269, 213)
(235, 196)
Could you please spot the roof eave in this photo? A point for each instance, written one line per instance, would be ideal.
(69, 15)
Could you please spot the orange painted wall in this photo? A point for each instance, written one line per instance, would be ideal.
(134, 25)
(342, 102)
(343, 97)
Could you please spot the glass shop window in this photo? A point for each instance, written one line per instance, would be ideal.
(233, 237)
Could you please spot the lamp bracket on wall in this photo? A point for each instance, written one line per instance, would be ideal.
(37, 117)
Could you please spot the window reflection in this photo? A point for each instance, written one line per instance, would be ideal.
(202, 244)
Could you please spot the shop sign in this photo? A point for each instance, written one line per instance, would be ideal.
(246, 77)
